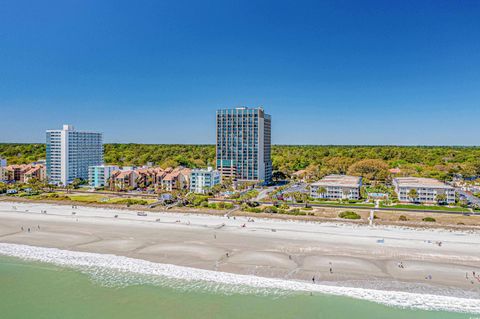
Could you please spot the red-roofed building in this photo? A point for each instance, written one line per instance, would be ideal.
(395, 171)
(123, 180)
(24, 172)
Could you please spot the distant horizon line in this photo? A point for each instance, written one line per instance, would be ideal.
(322, 145)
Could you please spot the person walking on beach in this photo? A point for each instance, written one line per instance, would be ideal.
(313, 279)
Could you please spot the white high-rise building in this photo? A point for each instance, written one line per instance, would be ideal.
(244, 143)
(70, 153)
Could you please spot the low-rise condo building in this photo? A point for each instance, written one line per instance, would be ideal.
(123, 180)
(3, 174)
(3, 170)
(24, 172)
(337, 187)
(155, 178)
(98, 175)
(37, 172)
(423, 190)
(202, 179)
(177, 179)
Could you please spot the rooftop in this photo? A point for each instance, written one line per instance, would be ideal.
(203, 170)
(339, 180)
(420, 182)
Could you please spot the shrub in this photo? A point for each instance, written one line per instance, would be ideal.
(270, 210)
(249, 209)
(253, 204)
(196, 200)
(131, 201)
(296, 212)
(349, 215)
(429, 219)
(55, 196)
(222, 205)
(402, 218)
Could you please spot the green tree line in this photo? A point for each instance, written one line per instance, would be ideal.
(372, 162)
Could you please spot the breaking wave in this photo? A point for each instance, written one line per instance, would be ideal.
(118, 270)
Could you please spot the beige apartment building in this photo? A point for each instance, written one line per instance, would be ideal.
(427, 190)
(337, 187)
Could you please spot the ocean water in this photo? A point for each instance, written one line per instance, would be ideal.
(46, 289)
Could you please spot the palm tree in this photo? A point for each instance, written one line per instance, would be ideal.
(413, 194)
(322, 190)
(69, 187)
(305, 198)
(441, 198)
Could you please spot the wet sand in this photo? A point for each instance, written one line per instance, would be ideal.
(333, 253)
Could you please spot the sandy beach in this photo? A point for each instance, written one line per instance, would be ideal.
(381, 257)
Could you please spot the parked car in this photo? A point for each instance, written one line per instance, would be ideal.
(141, 214)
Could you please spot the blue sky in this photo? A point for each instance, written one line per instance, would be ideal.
(329, 72)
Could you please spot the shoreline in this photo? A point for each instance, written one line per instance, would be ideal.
(112, 265)
(361, 257)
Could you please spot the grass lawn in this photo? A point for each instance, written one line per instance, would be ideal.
(122, 199)
(91, 198)
(427, 207)
(332, 203)
(95, 198)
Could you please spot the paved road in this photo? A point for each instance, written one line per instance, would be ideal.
(302, 188)
(469, 196)
(264, 193)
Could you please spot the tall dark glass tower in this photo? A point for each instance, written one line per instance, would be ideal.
(244, 143)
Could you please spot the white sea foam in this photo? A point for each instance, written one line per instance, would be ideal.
(111, 265)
